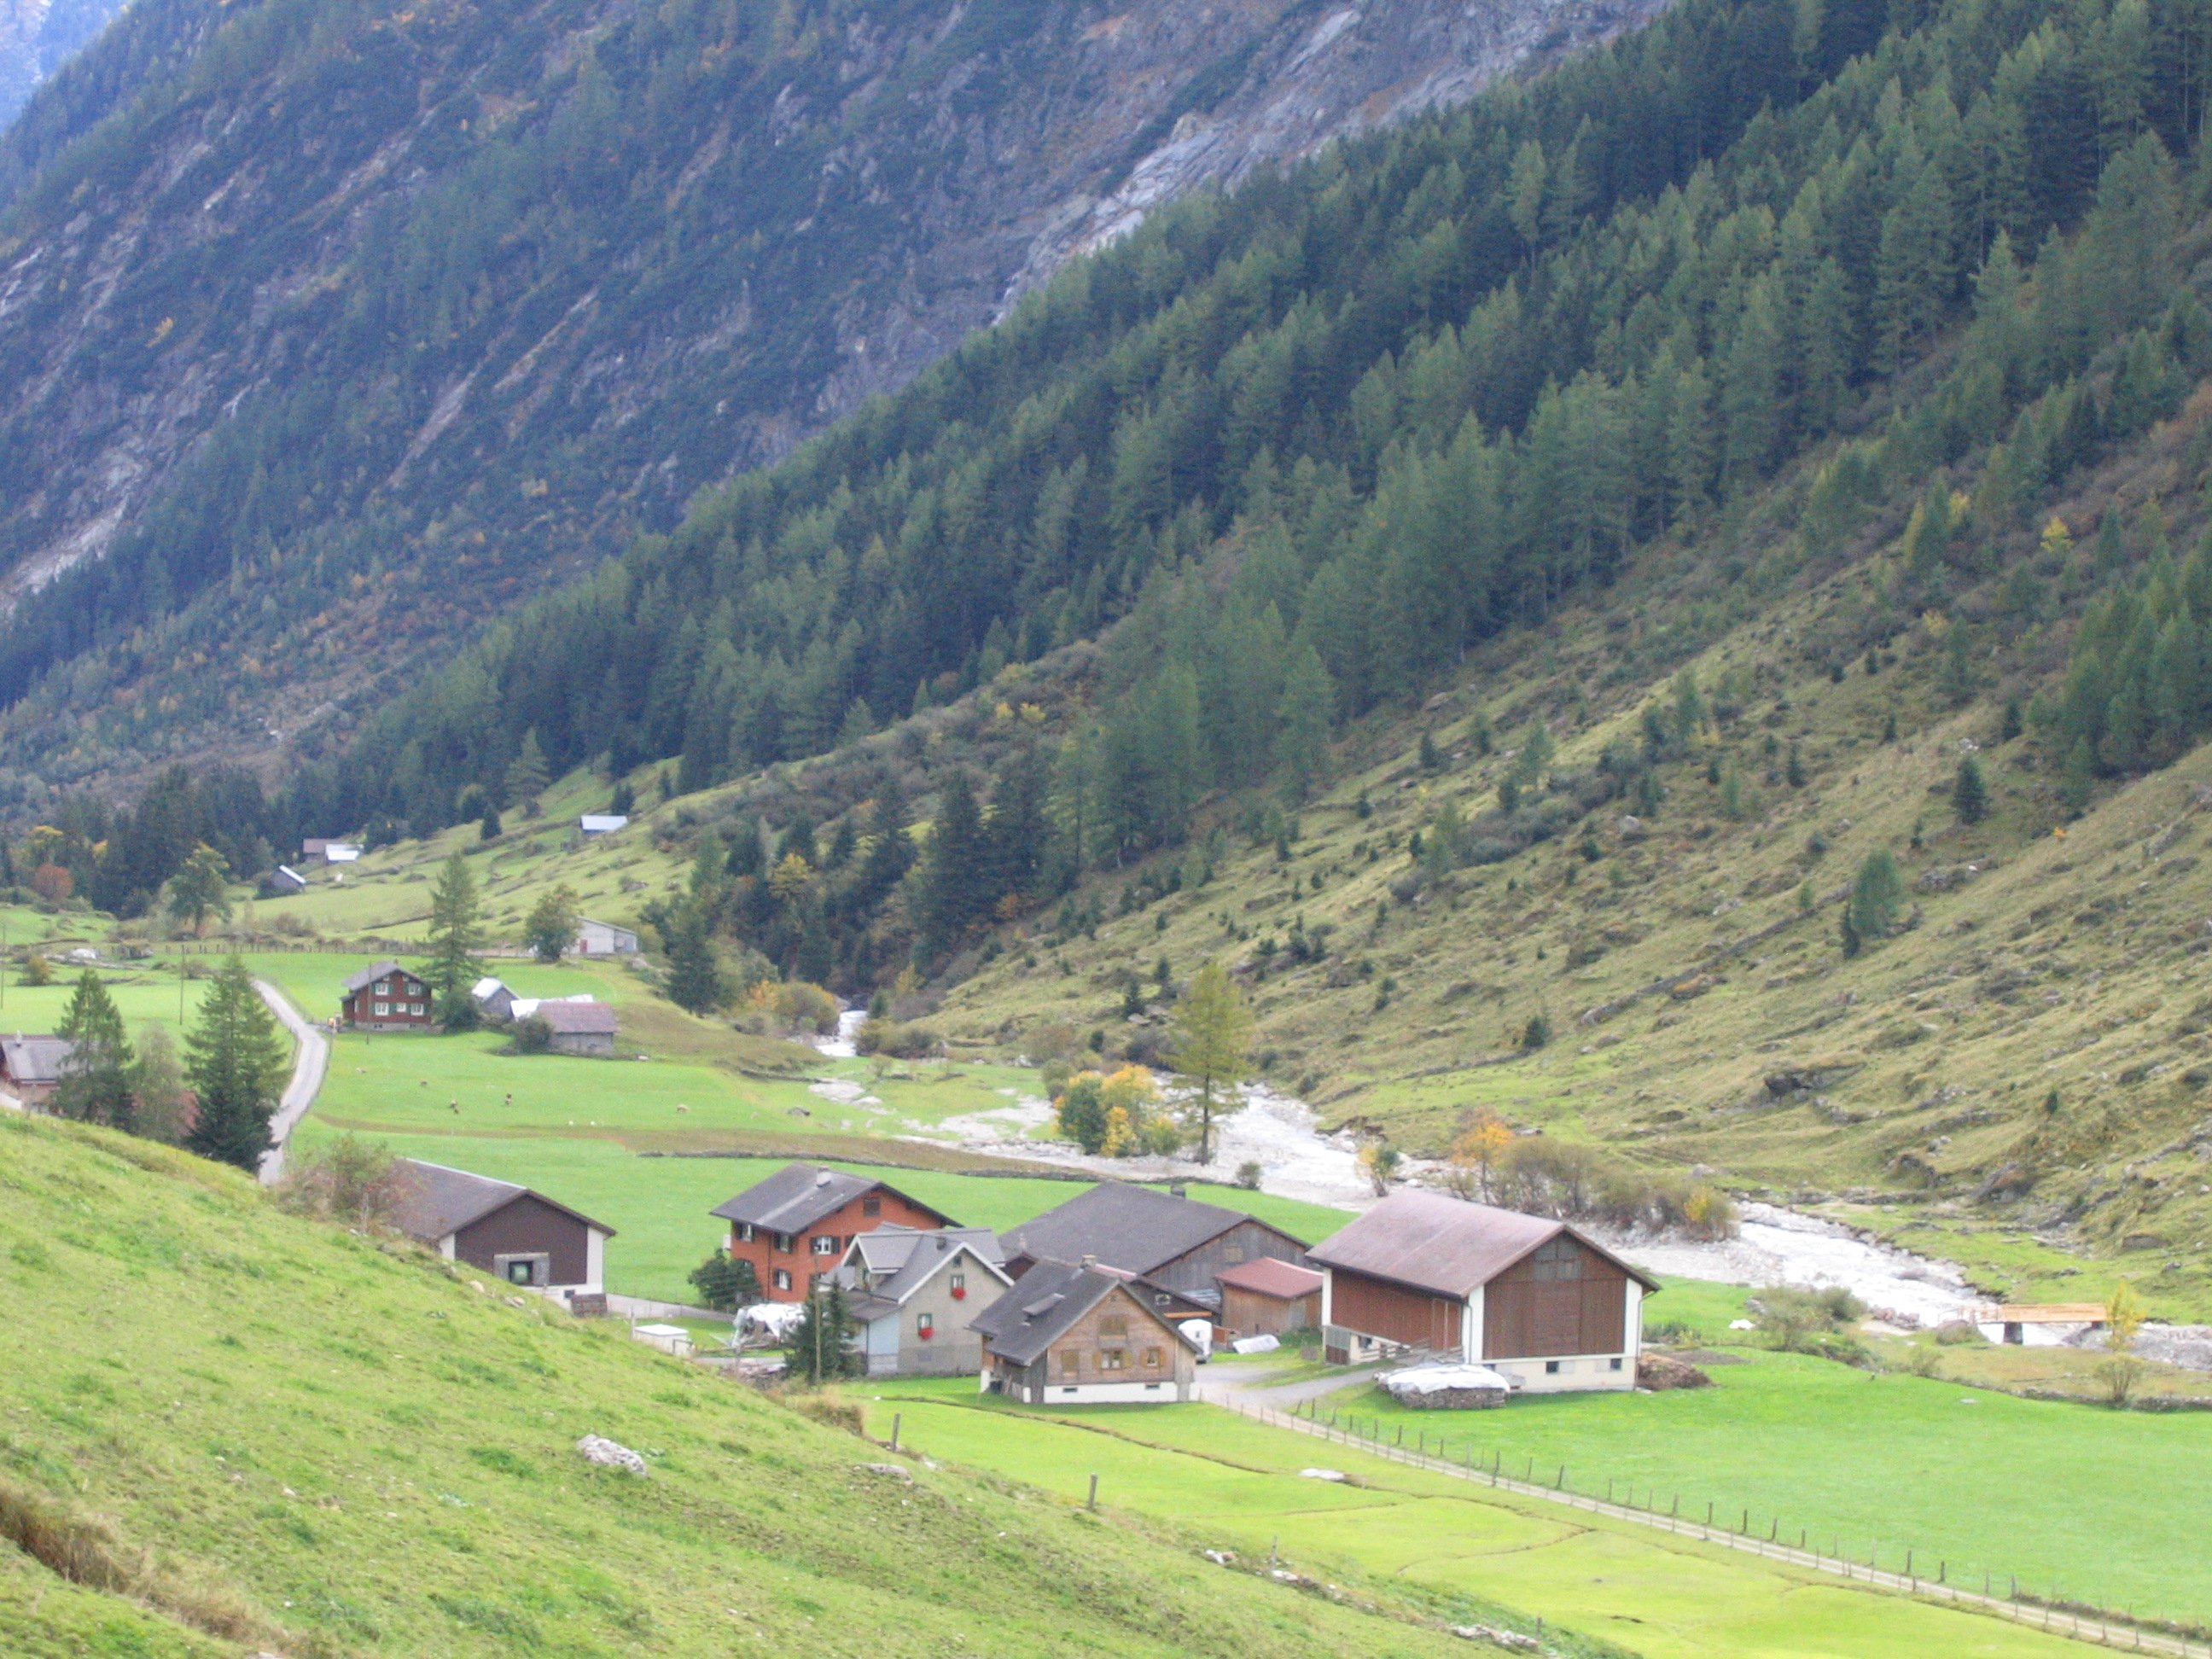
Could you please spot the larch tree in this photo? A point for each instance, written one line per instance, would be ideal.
(235, 1057)
(94, 1087)
(1211, 1045)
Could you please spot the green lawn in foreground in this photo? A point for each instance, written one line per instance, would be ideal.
(1237, 1483)
(2097, 1504)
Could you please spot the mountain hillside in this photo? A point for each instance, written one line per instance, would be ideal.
(329, 331)
(338, 1446)
(1518, 588)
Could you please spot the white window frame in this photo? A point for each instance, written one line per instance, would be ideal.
(780, 1278)
(383, 1011)
(925, 1327)
(824, 1244)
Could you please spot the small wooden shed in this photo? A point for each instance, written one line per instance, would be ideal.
(1266, 1296)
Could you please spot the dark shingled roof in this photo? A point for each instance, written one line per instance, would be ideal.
(356, 981)
(439, 1201)
(1130, 1227)
(1048, 1299)
(1432, 1242)
(800, 1194)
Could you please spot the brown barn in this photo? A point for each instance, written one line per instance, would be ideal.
(1267, 1298)
(522, 1236)
(1531, 1298)
(1076, 1334)
(795, 1226)
(386, 998)
(1170, 1240)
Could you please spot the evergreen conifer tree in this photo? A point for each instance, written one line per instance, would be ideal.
(527, 777)
(1305, 712)
(235, 1058)
(693, 981)
(94, 1087)
(456, 930)
(953, 881)
(1969, 794)
(1877, 897)
(820, 1348)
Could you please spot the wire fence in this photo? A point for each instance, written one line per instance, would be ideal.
(2057, 1615)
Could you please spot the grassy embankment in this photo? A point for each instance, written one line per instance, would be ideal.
(336, 1448)
(1237, 1484)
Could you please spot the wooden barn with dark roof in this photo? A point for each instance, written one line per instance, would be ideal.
(1545, 1306)
(1172, 1241)
(521, 1237)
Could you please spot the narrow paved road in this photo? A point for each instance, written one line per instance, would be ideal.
(309, 1066)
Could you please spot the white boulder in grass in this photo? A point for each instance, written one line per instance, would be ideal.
(608, 1454)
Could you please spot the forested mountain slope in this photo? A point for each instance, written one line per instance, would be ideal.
(1544, 557)
(328, 331)
(37, 38)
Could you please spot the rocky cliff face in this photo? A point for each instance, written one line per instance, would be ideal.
(357, 325)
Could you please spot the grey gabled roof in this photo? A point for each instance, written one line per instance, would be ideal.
(439, 1201)
(36, 1058)
(356, 981)
(911, 1258)
(800, 1194)
(1433, 1242)
(1131, 1227)
(1046, 1300)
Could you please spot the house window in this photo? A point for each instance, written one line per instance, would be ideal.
(1235, 1253)
(825, 1243)
(781, 1278)
(1551, 1367)
(745, 1232)
(1113, 1359)
(383, 987)
(925, 1327)
(1555, 1261)
(523, 1269)
(383, 1009)
(416, 1009)
(1151, 1359)
(1114, 1325)
(871, 1204)
(1613, 1365)
(783, 1243)
(1071, 1362)
(959, 1282)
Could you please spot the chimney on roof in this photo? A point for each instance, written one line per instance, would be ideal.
(1177, 1191)
(822, 1180)
(1089, 1262)
(943, 1243)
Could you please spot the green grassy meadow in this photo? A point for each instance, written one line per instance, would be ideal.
(1236, 1483)
(1875, 1462)
(580, 1130)
(141, 994)
(335, 1447)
